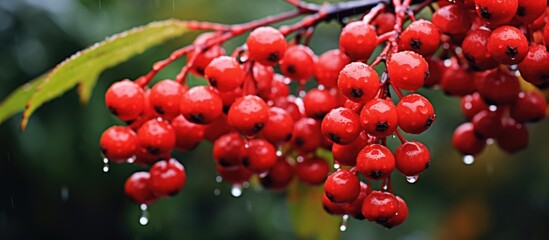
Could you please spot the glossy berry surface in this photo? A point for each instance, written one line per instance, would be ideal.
(165, 97)
(266, 45)
(346, 154)
(474, 50)
(496, 12)
(168, 177)
(119, 143)
(298, 63)
(529, 107)
(307, 135)
(358, 40)
(452, 19)
(201, 105)
(328, 66)
(507, 45)
(400, 216)
(498, 87)
(379, 206)
(379, 117)
(466, 141)
(226, 149)
(258, 155)
(279, 127)
(375, 162)
(279, 175)
(515, 137)
(534, 66)
(125, 100)
(318, 103)
(412, 158)
(224, 73)
(487, 124)
(248, 115)
(358, 82)
(415, 113)
(408, 70)
(420, 36)
(202, 59)
(342, 186)
(312, 171)
(137, 188)
(341, 126)
(157, 136)
(188, 135)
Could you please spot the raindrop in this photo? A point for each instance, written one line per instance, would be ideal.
(131, 159)
(336, 166)
(105, 164)
(236, 190)
(64, 193)
(412, 179)
(218, 179)
(394, 136)
(344, 223)
(279, 151)
(468, 159)
(493, 108)
(217, 192)
(144, 219)
(490, 141)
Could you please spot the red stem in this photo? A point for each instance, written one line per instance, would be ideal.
(400, 136)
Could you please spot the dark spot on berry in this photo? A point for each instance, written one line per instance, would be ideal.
(430, 121)
(153, 151)
(415, 43)
(267, 181)
(334, 138)
(129, 122)
(521, 11)
(427, 165)
(257, 127)
(426, 75)
(388, 226)
(359, 216)
(196, 118)
(327, 209)
(224, 163)
(545, 84)
(113, 110)
(173, 193)
(511, 51)
(159, 110)
(288, 137)
(200, 70)
(489, 101)
(246, 161)
(213, 82)
(103, 150)
(479, 135)
(356, 92)
(382, 126)
(273, 57)
(330, 196)
(299, 141)
(469, 58)
(381, 220)
(376, 174)
(485, 13)
(319, 115)
(226, 109)
(291, 69)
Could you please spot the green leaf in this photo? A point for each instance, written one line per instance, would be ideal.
(15, 102)
(84, 67)
(308, 216)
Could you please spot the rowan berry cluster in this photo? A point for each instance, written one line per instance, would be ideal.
(477, 50)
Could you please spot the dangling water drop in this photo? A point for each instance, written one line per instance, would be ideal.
(236, 190)
(144, 219)
(344, 223)
(218, 179)
(490, 141)
(493, 108)
(412, 179)
(336, 166)
(131, 159)
(217, 192)
(105, 164)
(468, 159)
(279, 151)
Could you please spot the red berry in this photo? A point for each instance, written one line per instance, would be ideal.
(452, 19)
(228, 98)
(289, 104)
(307, 135)
(379, 206)
(415, 114)
(201, 105)
(546, 35)
(407, 70)
(529, 10)
(358, 40)
(384, 22)
(258, 155)
(234, 174)
(472, 104)
(346, 154)
(534, 67)
(515, 137)
(355, 208)
(358, 82)
(219, 127)
(507, 45)
(205, 57)
(125, 100)
(266, 45)
(375, 162)
(157, 137)
(167, 177)
(224, 73)
(328, 66)
(248, 115)
(279, 176)
(420, 36)
(278, 88)
(498, 87)
(400, 216)
(226, 149)
(136, 188)
(298, 63)
(119, 143)
(331, 207)
(436, 71)
(496, 12)
(165, 97)
(342, 186)
(147, 114)
(312, 171)
(280, 126)
(529, 107)
(466, 141)
(474, 50)
(318, 103)
(263, 77)
(412, 158)
(188, 135)
(379, 117)
(487, 124)
(457, 81)
(341, 126)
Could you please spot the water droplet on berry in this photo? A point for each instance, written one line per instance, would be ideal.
(263, 174)
(412, 179)
(299, 159)
(217, 192)
(131, 159)
(279, 151)
(394, 136)
(490, 141)
(236, 190)
(336, 166)
(493, 108)
(344, 223)
(105, 164)
(468, 159)
(144, 219)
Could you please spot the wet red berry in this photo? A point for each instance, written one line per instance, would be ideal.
(412, 158)
(165, 97)
(379, 117)
(266, 45)
(167, 177)
(258, 155)
(358, 82)
(137, 188)
(342, 186)
(420, 36)
(119, 143)
(341, 126)
(248, 115)
(375, 162)
(312, 171)
(224, 73)
(201, 105)
(379, 206)
(157, 137)
(415, 113)
(125, 100)
(407, 70)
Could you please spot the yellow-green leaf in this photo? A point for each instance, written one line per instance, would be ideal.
(84, 67)
(16, 101)
(308, 216)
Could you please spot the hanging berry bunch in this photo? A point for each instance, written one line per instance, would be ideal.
(490, 53)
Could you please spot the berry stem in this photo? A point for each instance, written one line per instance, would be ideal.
(400, 136)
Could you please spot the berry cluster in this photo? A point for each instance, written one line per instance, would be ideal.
(477, 50)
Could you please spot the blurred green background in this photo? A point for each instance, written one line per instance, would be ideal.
(52, 186)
